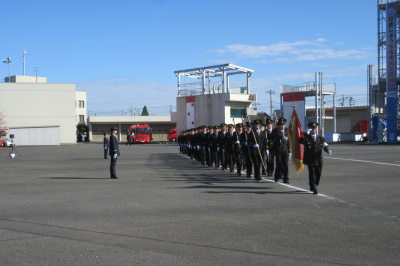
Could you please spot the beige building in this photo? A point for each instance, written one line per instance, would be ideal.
(40, 113)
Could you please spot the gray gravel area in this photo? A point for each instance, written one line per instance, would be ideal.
(59, 207)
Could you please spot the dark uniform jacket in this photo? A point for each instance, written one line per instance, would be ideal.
(221, 140)
(114, 149)
(280, 146)
(105, 142)
(238, 137)
(202, 139)
(244, 137)
(229, 141)
(313, 149)
(213, 141)
(269, 138)
(260, 139)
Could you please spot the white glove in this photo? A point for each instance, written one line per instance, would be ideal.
(189, 146)
(255, 146)
(209, 149)
(290, 156)
(308, 131)
(267, 152)
(204, 148)
(223, 150)
(115, 156)
(198, 147)
(105, 148)
(237, 142)
(329, 152)
(245, 143)
(217, 149)
(284, 137)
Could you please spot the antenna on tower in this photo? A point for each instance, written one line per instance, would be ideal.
(23, 54)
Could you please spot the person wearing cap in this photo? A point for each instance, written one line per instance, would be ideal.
(281, 149)
(203, 144)
(209, 153)
(221, 146)
(191, 144)
(215, 147)
(263, 153)
(114, 152)
(105, 145)
(271, 158)
(313, 145)
(246, 149)
(258, 143)
(237, 148)
(229, 147)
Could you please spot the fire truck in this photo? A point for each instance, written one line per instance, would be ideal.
(142, 133)
(172, 135)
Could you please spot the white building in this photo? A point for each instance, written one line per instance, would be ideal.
(40, 113)
(80, 106)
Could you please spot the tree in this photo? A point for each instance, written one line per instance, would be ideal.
(145, 112)
(81, 127)
(3, 125)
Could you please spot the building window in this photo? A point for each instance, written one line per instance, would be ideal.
(237, 113)
(81, 104)
(81, 118)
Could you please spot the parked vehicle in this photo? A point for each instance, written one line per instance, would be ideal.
(142, 133)
(8, 142)
(172, 135)
(1, 142)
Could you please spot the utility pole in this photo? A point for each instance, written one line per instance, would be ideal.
(23, 55)
(170, 109)
(270, 98)
(131, 111)
(8, 61)
(350, 100)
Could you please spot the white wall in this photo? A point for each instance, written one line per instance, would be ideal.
(80, 96)
(40, 105)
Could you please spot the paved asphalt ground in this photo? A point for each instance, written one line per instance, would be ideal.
(59, 207)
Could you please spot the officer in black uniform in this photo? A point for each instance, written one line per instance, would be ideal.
(258, 143)
(105, 145)
(215, 146)
(246, 149)
(203, 144)
(229, 147)
(221, 146)
(271, 158)
(237, 148)
(282, 151)
(313, 146)
(114, 152)
(209, 154)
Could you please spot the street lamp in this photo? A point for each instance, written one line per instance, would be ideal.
(8, 61)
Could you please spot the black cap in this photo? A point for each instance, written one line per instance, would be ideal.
(312, 125)
(105, 133)
(231, 125)
(281, 121)
(268, 121)
(248, 124)
(239, 125)
(257, 122)
(113, 129)
(223, 125)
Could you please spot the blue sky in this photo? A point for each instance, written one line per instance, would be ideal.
(124, 53)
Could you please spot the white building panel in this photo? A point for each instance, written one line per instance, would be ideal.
(36, 136)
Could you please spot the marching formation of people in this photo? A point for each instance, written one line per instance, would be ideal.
(255, 148)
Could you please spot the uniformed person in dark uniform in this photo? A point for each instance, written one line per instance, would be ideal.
(209, 154)
(313, 146)
(282, 151)
(215, 146)
(221, 146)
(203, 144)
(246, 149)
(263, 153)
(270, 161)
(128, 138)
(229, 147)
(105, 145)
(258, 143)
(237, 148)
(114, 152)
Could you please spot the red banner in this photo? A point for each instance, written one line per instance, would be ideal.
(294, 134)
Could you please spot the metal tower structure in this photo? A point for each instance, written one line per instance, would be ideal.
(386, 89)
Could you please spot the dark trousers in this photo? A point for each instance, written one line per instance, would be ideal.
(282, 168)
(222, 158)
(238, 161)
(314, 175)
(105, 153)
(112, 166)
(203, 155)
(216, 158)
(229, 160)
(249, 164)
(263, 163)
(208, 157)
(270, 163)
(257, 163)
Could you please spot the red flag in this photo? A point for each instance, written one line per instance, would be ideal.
(294, 134)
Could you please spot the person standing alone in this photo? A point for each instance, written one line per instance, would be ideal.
(105, 145)
(114, 152)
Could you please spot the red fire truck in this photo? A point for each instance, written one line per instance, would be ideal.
(172, 135)
(142, 133)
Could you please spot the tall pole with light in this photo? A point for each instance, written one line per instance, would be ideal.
(8, 61)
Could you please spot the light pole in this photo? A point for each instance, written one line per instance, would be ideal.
(8, 61)
(270, 97)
